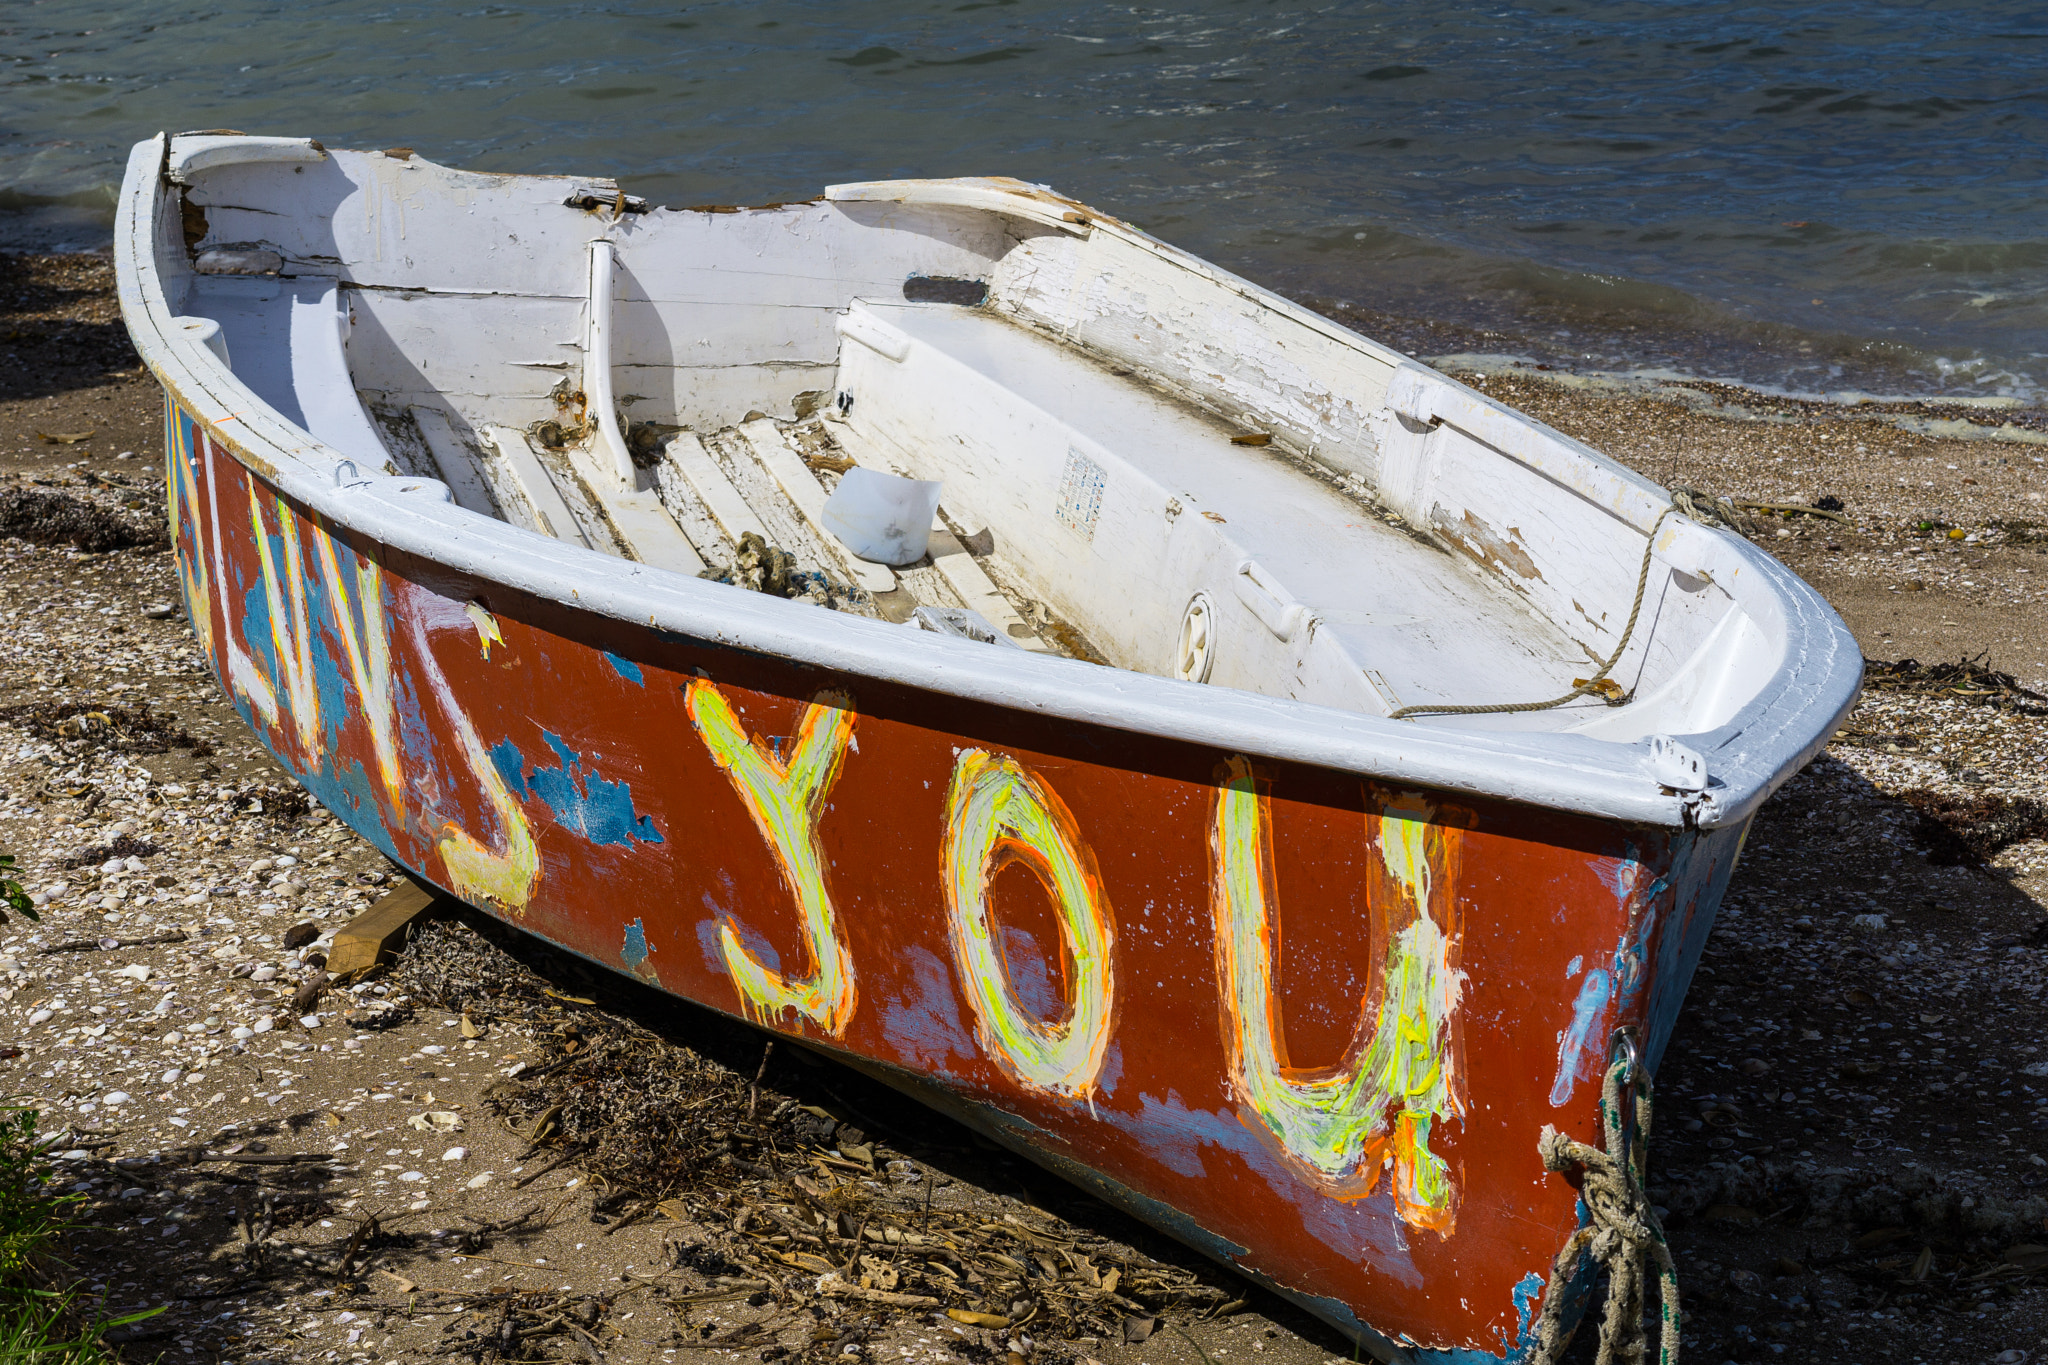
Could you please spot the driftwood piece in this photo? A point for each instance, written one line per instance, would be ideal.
(374, 936)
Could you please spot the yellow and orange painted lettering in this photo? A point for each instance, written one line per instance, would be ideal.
(181, 491)
(786, 800)
(366, 648)
(291, 639)
(504, 875)
(999, 813)
(1341, 1126)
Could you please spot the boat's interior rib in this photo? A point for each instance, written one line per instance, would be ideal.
(1106, 495)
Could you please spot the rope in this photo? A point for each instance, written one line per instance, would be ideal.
(1621, 1229)
(1587, 686)
(1708, 510)
(1732, 513)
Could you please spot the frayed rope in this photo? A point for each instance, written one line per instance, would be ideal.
(1620, 1235)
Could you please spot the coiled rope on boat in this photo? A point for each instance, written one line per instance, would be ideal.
(1621, 1231)
(1700, 506)
(1588, 686)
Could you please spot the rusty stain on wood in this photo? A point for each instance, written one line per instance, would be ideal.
(1484, 544)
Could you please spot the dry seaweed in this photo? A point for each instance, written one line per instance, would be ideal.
(280, 805)
(1970, 680)
(120, 846)
(44, 516)
(1968, 831)
(797, 1194)
(126, 729)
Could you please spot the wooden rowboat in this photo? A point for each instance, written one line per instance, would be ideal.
(513, 516)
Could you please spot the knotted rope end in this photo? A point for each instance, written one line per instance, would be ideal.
(1621, 1234)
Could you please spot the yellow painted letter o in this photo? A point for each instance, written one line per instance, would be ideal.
(998, 813)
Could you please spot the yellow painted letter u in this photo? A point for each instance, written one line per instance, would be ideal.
(1341, 1125)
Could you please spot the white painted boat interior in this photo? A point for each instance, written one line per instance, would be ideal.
(1146, 462)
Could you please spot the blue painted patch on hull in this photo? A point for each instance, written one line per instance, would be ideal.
(637, 952)
(594, 806)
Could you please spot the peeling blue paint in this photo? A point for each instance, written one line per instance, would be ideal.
(256, 631)
(1617, 990)
(335, 709)
(626, 669)
(507, 759)
(636, 952)
(594, 806)
(1572, 968)
(350, 795)
(1512, 1350)
(1582, 1043)
(1526, 1292)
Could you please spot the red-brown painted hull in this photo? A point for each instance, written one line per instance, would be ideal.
(590, 781)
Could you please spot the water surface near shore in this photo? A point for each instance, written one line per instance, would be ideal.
(1824, 195)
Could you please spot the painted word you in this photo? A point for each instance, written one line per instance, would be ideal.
(1340, 1127)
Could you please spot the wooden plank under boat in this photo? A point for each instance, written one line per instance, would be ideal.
(500, 507)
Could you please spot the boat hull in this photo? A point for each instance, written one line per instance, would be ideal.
(1310, 1022)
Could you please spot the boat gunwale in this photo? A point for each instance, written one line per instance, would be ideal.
(1769, 738)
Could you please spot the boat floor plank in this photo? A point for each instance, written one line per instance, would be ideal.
(787, 468)
(456, 461)
(583, 503)
(688, 511)
(927, 586)
(789, 525)
(521, 478)
(781, 523)
(978, 591)
(637, 516)
(701, 482)
(693, 460)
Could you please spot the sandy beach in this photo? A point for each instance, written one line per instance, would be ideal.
(1852, 1141)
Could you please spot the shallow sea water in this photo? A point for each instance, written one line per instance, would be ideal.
(1821, 195)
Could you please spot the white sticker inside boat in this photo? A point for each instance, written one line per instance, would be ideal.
(1081, 494)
